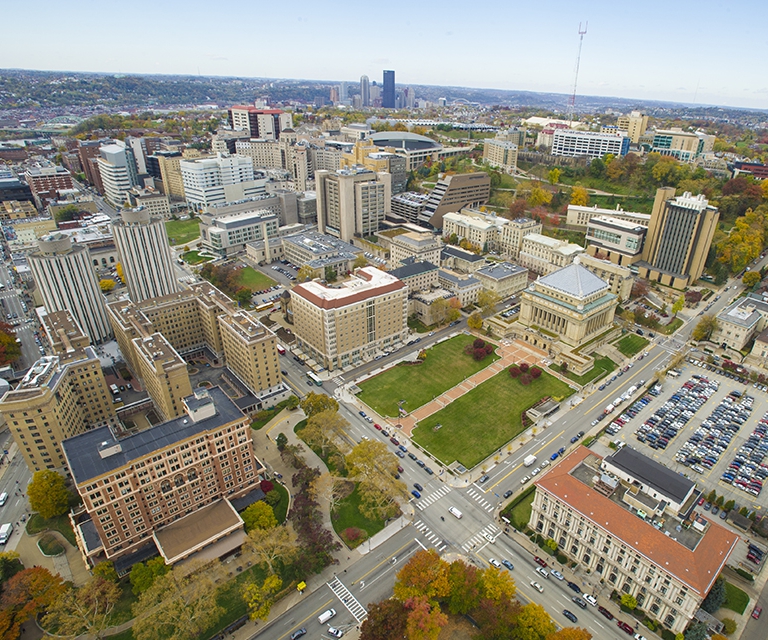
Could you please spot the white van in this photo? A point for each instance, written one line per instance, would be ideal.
(325, 616)
(455, 512)
(3, 498)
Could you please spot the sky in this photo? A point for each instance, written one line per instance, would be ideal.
(703, 52)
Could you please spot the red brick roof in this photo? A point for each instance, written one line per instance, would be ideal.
(697, 568)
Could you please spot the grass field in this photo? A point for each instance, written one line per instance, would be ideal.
(445, 367)
(194, 257)
(182, 231)
(38, 524)
(735, 599)
(281, 508)
(519, 510)
(255, 280)
(603, 365)
(485, 419)
(671, 327)
(631, 344)
(347, 515)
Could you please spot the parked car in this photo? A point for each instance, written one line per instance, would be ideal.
(605, 612)
(508, 493)
(574, 586)
(625, 627)
(557, 574)
(540, 562)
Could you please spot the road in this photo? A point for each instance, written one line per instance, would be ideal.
(11, 303)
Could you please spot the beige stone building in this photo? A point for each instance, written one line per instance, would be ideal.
(501, 154)
(166, 489)
(742, 320)
(251, 350)
(61, 395)
(619, 279)
(572, 304)
(503, 278)
(379, 160)
(170, 174)
(512, 234)
(481, 229)
(466, 288)
(579, 216)
(453, 193)
(614, 517)
(634, 124)
(419, 247)
(155, 203)
(460, 260)
(542, 254)
(352, 321)
(17, 210)
(417, 276)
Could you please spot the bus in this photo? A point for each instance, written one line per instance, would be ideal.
(281, 349)
(264, 307)
(313, 378)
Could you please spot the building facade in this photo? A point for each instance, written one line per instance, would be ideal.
(570, 143)
(501, 154)
(117, 171)
(616, 240)
(503, 278)
(579, 216)
(408, 206)
(542, 254)
(259, 123)
(419, 247)
(618, 278)
(453, 193)
(512, 234)
(219, 180)
(634, 124)
(683, 145)
(47, 182)
(156, 204)
(388, 90)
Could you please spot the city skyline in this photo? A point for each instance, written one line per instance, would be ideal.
(625, 54)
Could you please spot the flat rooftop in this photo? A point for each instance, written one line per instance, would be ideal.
(368, 282)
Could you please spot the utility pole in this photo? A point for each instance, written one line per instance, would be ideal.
(572, 101)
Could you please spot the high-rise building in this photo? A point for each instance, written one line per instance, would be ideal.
(61, 395)
(166, 165)
(501, 154)
(225, 178)
(365, 91)
(350, 322)
(47, 182)
(259, 123)
(453, 193)
(592, 144)
(352, 202)
(634, 124)
(88, 150)
(388, 92)
(118, 172)
(367, 154)
(679, 235)
(67, 281)
(165, 489)
(145, 255)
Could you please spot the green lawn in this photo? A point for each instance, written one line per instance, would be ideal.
(194, 257)
(38, 524)
(735, 599)
(254, 280)
(49, 545)
(631, 344)
(182, 231)
(485, 419)
(445, 367)
(518, 512)
(671, 327)
(347, 515)
(414, 324)
(603, 366)
(281, 508)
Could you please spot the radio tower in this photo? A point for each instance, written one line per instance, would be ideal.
(572, 101)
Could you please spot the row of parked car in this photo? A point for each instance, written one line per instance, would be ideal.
(704, 448)
(667, 421)
(747, 470)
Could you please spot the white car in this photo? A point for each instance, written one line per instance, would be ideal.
(545, 463)
(525, 479)
(537, 586)
(495, 563)
(542, 571)
(336, 633)
(536, 471)
(592, 600)
(489, 537)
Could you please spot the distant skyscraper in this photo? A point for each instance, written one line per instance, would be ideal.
(410, 97)
(388, 94)
(343, 91)
(145, 255)
(365, 91)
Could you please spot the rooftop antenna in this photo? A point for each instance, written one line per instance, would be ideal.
(572, 101)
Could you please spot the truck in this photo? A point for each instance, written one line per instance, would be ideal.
(281, 349)
(609, 408)
(529, 460)
(5, 532)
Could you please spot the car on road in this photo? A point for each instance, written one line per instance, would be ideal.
(415, 494)
(591, 599)
(524, 479)
(495, 563)
(756, 612)
(402, 448)
(508, 564)
(508, 493)
(399, 454)
(574, 439)
(625, 627)
(542, 572)
(554, 456)
(570, 615)
(557, 574)
(333, 631)
(377, 426)
(298, 633)
(429, 471)
(637, 636)
(394, 441)
(412, 456)
(362, 413)
(536, 471)
(417, 486)
(579, 601)
(485, 479)
(540, 562)
(574, 586)
(421, 463)
(537, 586)
(489, 537)
(702, 500)
(605, 612)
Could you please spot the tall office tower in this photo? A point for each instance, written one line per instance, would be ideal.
(166, 165)
(375, 94)
(88, 150)
(343, 91)
(145, 255)
(365, 91)
(679, 235)
(67, 281)
(409, 97)
(225, 178)
(259, 123)
(117, 168)
(388, 93)
(138, 147)
(61, 395)
(634, 124)
(352, 202)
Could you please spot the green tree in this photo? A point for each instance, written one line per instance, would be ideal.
(143, 575)
(48, 494)
(728, 506)
(554, 175)
(439, 309)
(487, 301)
(314, 403)
(243, 296)
(305, 273)
(464, 591)
(697, 631)
(360, 261)
(729, 626)
(106, 285)
(9, 565)
(10, 350)
(67, 213)
(259, 515)
(715, 597)
(677, 307)
(324, 430)
(475, 321)
(750, 279)
(106, 570)
(179, 605)
(533, 623)
(330, 274)
(87, 610)
(705, 328)
(281, 441)
(291, 402)
(454, 310)
(259, 599)
(268, 546)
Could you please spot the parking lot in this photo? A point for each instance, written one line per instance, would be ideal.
(723, 440)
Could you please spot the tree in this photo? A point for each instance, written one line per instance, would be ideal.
(454, 310)
(464, 587)
(143, 574)
(26, 595)
(425, 574)
(705, 328)
(106, 570)
(697, 631)
(67, 213)
(305, 273)
(107, 284)
(570, 633)
(331, 488)
(539, 197)
(533, 623)
(628, 601)
(715, 597)
(497, 585)
(48, 494)
(243, 296)
(497, 621)
(360, 261)
(281, 440)
(554, 175)
(425, 620)
(259, 515)
(314, 403)
(179, 605)
(639, 289)
(677, 307)
(386, 620)
(439, 309)
(728, 506)
(374, 467)
(330, 274)
(750, 278)
(475, 321)
(9, 565)
(268, 546)
(487, 301)
(729, 626)
(579, 197)
(324, 430)
(693, 297)
(10, 350)
(119, 271)
(87, 610)
(259, 599)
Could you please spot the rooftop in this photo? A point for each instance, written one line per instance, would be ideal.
(368, 282)
(574, 280)
(500, 270)
(404, 140)
(455, 252)
(745, 312)
(650, 472)
(320, 244)
(412, 269)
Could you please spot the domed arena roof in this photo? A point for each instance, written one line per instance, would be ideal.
(404, 140)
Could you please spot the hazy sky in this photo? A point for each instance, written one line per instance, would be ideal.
(703, 51)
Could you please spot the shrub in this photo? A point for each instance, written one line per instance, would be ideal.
(535, 372)
(352, 533)
(281, 441)
(524, 366)
(628, 601)
(525, 379)
(514, 371)
(479, 354)
(272, 498)
(488, 348)
(266, 486)
(745, 574)
(729, 626)
(562, 559)
(479, 343)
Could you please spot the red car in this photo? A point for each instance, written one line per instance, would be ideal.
(377, 426)
(625, 627)
(701, 500)
(394, 441)
(756, 612)
(539, 562)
